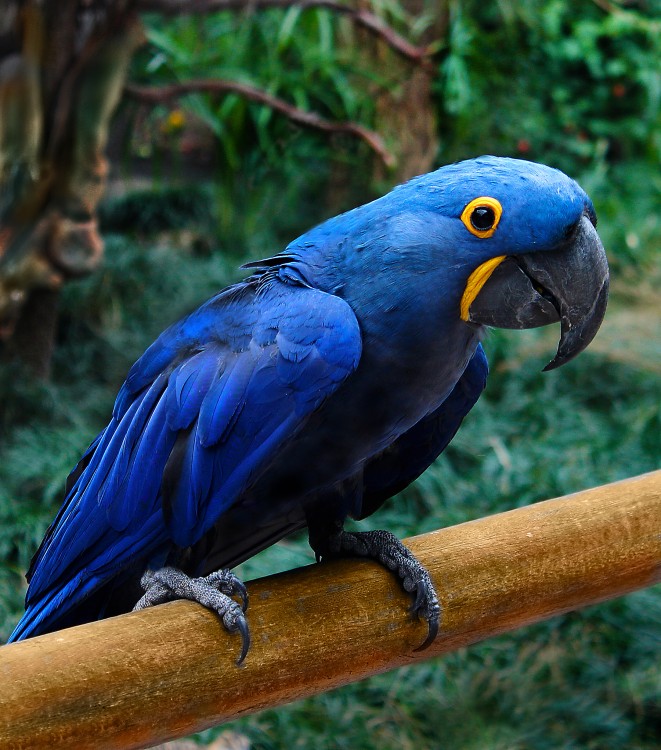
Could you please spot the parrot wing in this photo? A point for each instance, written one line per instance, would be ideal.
(200, 417)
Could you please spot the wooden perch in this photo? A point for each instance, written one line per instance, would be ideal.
(142, 678)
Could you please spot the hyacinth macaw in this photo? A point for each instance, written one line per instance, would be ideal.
(318, 387)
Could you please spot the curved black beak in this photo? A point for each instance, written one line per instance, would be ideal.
(569, 285)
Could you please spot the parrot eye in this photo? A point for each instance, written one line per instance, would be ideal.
(481, 216)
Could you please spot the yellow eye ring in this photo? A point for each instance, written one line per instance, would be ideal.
(481, 216)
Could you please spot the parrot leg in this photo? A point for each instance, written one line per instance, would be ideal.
(213, 592)
(388, 550)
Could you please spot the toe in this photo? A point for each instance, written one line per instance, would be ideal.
(421, 598)
(242, 591)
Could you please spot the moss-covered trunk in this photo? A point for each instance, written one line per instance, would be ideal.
(63, 65)
(406, 116)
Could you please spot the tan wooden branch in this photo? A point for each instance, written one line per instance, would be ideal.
(135, 680)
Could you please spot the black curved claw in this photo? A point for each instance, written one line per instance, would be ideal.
(242, 627)
(422, 602)
(433, 624)
(426, 607)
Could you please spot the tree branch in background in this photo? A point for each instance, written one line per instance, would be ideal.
(637, 20)
(159, 95)
(361, 17)
(608, 6)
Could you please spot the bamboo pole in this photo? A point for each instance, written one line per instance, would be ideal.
(145, 677)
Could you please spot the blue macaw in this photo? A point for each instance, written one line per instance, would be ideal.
(318, 387)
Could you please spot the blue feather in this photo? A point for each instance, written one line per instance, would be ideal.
(189, 384)
(222, 405)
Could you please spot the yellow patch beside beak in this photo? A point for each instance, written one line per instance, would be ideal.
(476, 281)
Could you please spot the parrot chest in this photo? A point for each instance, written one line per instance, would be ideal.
(391, 391)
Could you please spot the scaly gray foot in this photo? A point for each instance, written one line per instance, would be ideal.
(213, 592)
(387, 549)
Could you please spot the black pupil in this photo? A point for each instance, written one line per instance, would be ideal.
(483, 218)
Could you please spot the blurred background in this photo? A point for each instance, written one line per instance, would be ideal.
(148, 148)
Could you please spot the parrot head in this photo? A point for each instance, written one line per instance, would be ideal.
(534, 255)
(490, 241)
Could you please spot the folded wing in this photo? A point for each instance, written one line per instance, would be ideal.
(202, 414)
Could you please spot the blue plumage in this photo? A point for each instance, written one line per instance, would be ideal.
(321, 385)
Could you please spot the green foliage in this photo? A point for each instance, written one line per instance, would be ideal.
(632, 238)
(551, 80)
(293, 54)
(149, 211)
(544, 79)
